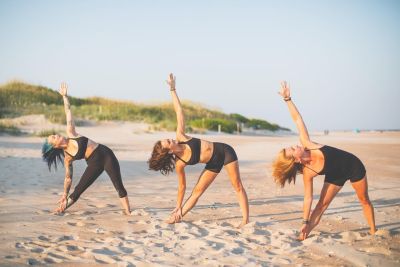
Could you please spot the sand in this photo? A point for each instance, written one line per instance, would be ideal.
(95, 232)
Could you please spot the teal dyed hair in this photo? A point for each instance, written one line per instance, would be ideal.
(46, 146)
(51, 154)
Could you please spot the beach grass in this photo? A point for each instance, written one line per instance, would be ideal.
(18, 98)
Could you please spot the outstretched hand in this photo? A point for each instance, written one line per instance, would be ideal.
(62, 199)
(62, 206)
(63, 89)
(171, 81)
(285, 90)
(303, 232)
(176, 216)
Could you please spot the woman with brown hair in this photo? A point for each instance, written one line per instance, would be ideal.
(169, 154)
(312, 159)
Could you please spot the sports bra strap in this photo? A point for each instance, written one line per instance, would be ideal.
(181, 159)
(309, 168)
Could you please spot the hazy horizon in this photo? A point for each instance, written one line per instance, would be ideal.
(341, 58)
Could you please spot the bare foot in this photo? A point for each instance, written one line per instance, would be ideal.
(173, 220)
(242, 224)
(128, 213)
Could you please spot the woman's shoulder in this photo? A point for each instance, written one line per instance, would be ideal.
(314, 145)
(182, 138)
(73, 136)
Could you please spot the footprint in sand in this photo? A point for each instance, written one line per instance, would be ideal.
(70, 248)
(125, 250)
(168, 233)
(216, 245)
(43, 212)
(99, 230)
(350, 236)
(55, 257)
(139, 212)
(31, 261)
(141, 222)
(105, 255)
(65, 238)
(237, 251)
(84, 212)
(102, 205)
(80, 224)
(19, 245)
(9, 257)
(43, 238)
(37, 250)
(232, 232)
(51, 261)
(184, 237)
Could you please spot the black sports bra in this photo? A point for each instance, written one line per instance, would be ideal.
(82, 145)
(195, 147)
(337, 162)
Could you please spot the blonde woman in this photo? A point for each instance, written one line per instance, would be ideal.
(313, 159)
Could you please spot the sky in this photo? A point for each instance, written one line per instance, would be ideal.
(341, 58)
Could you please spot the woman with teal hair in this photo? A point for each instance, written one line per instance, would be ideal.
(75, 147)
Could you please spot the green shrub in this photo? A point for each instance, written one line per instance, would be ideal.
(18, 98)
(212, 124)
(45, 133)
(9, 129)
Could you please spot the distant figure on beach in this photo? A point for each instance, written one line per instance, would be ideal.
(169, 154)
(312, 159)
(75, 147)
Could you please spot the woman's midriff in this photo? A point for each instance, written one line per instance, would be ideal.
(206, 152)
(91, 146)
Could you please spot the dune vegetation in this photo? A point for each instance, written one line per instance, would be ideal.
(19, 98)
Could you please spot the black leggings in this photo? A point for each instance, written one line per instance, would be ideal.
(102, 158)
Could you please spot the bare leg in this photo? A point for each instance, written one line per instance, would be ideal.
(206, 178)
(328, 192)
(234, 175)
(125, 205)
(361, 188)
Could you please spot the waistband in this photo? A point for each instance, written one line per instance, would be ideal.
(95, 151)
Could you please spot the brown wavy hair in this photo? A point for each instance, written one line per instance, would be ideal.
(284, 169)
(161, 160)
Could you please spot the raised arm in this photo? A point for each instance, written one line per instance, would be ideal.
(67, 107)
(180, 118)
(296, 117)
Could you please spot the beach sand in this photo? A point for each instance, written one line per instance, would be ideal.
(94, 231)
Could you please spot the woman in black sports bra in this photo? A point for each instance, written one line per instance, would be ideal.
(312, 159)
(169, 154)
(98, 158)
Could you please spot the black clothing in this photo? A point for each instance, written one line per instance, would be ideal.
(340, 166)
(222, 154)
(102, 158)
(82, 145)
(195, 147)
